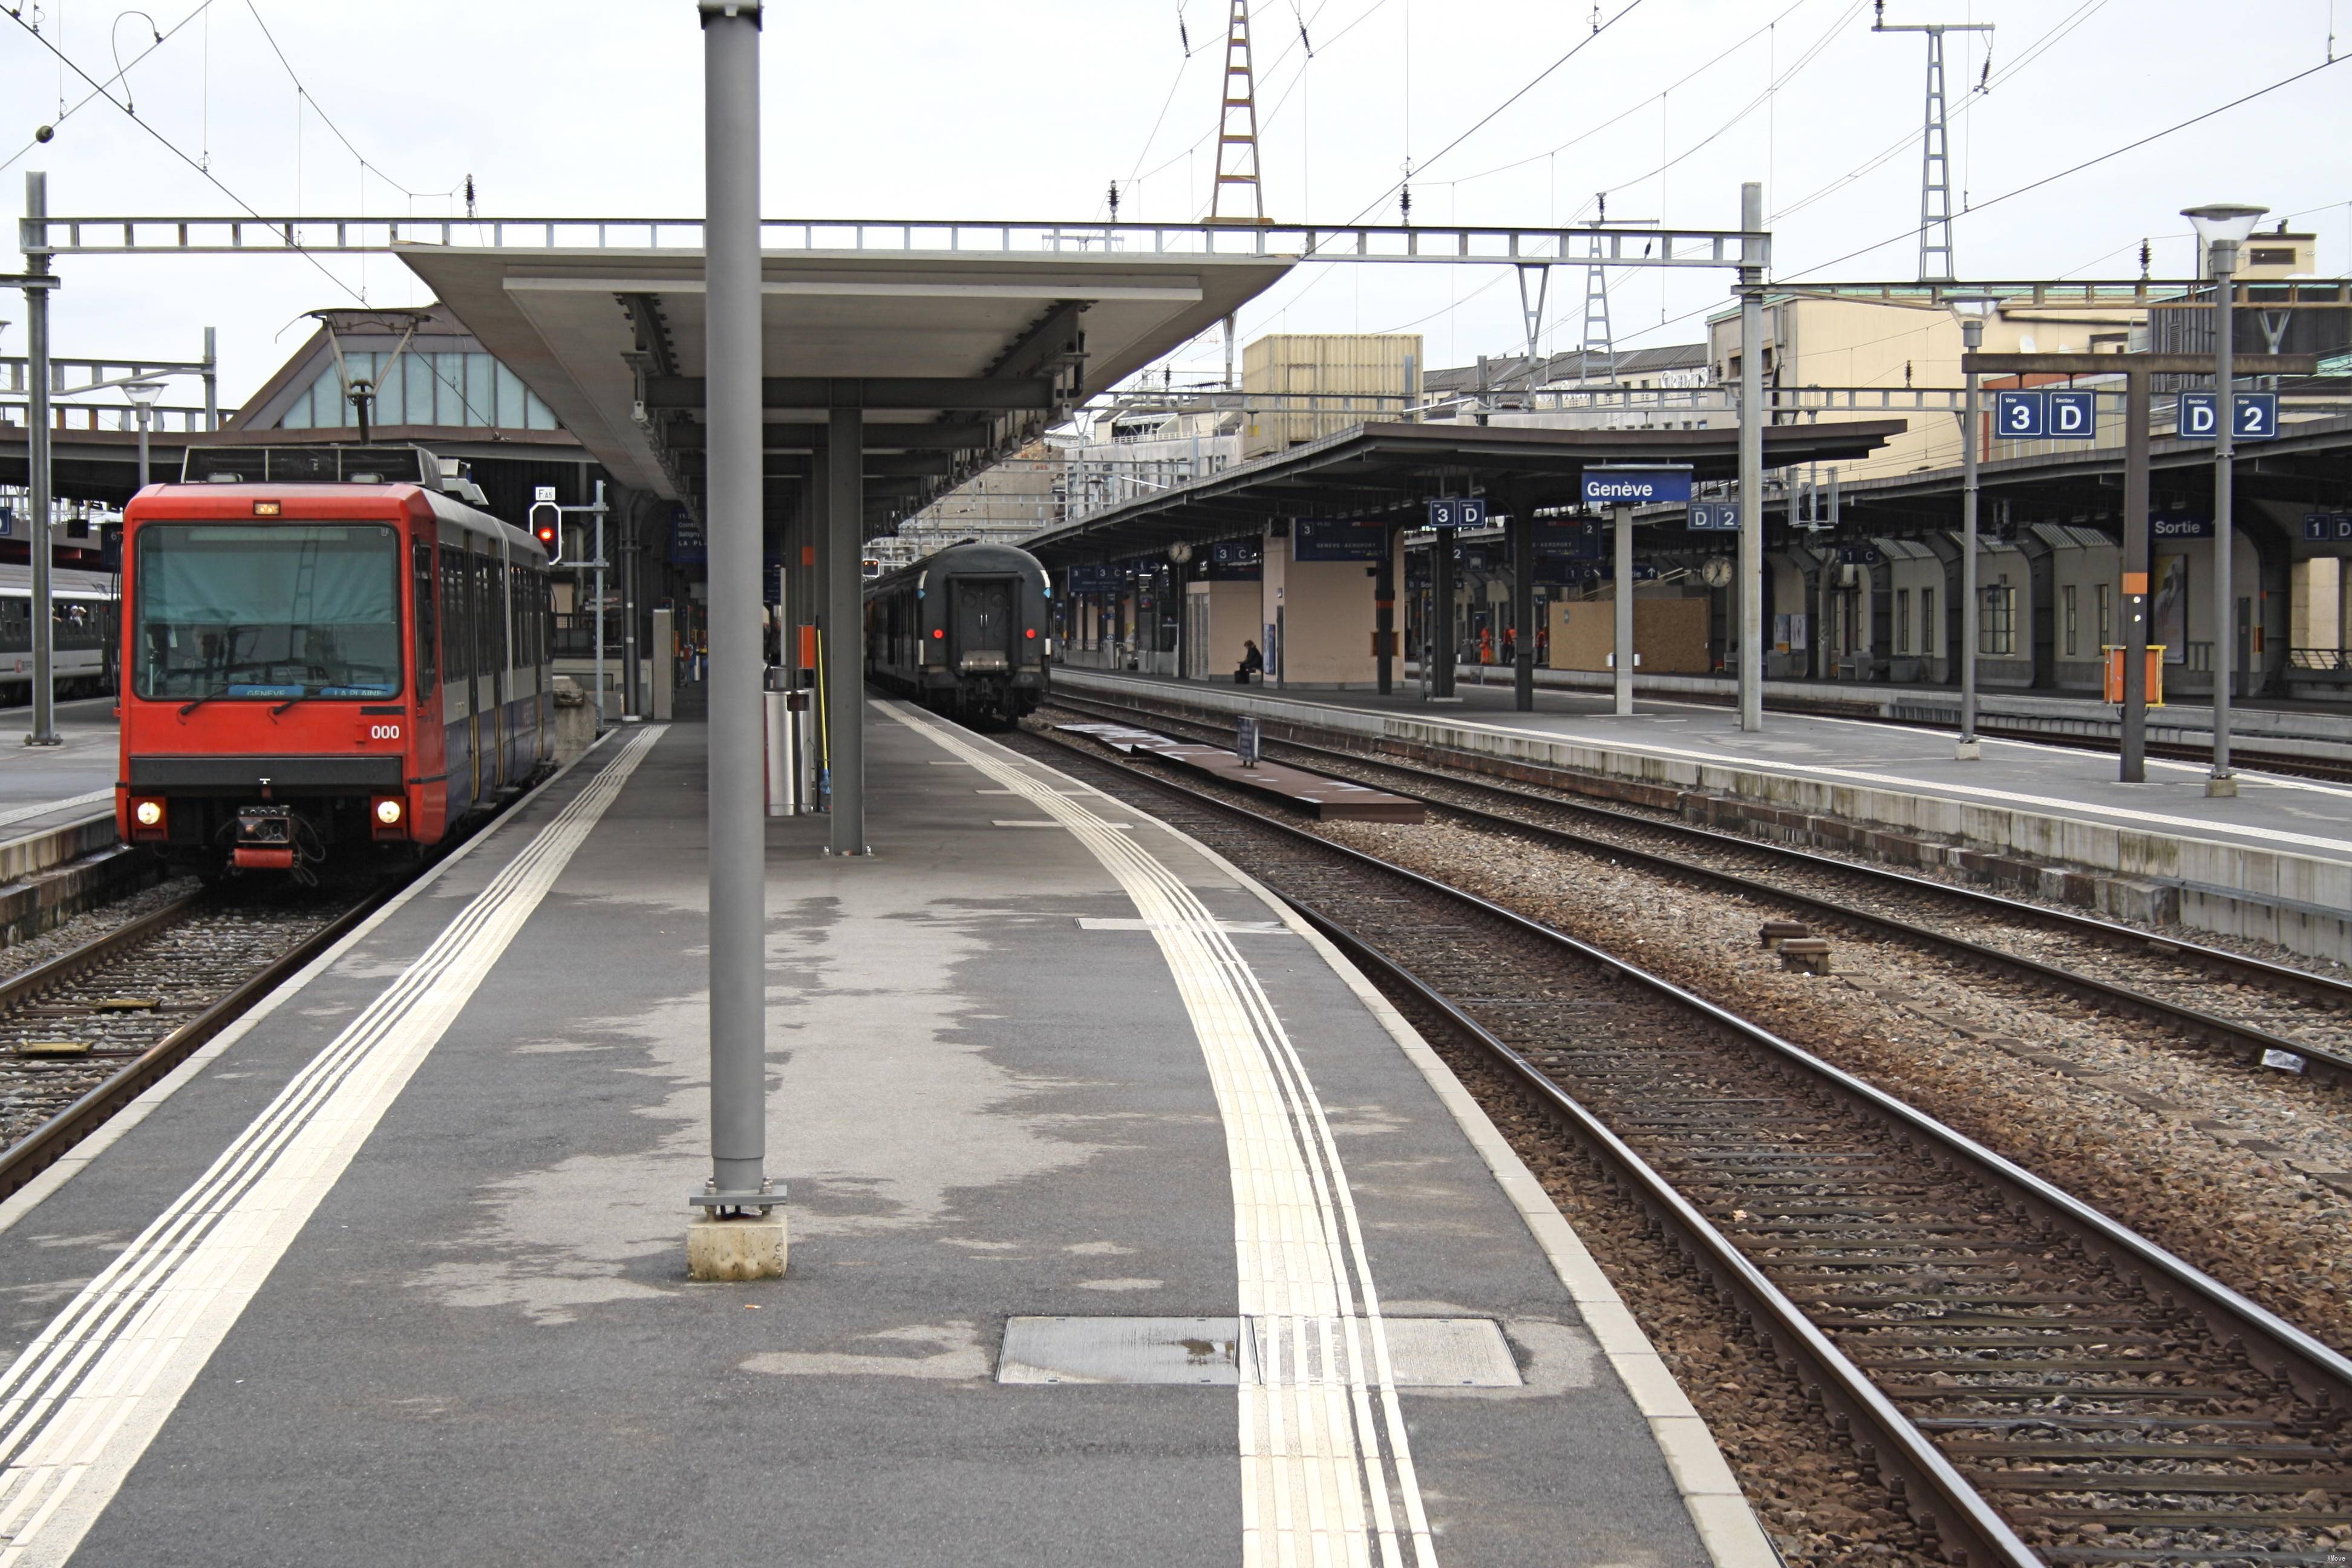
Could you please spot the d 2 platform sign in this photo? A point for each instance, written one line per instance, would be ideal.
(1630, 486)
(1714, 516)
(2254, 415)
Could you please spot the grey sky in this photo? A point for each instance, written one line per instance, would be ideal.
(1030, 108)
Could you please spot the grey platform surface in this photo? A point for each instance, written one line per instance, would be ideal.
(2301, 816)
(43, 785)
(479, 1346)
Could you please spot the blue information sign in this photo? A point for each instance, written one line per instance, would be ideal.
(1569, 541)
(2254, 415)
(1636, 486)
(2043, 416)
(687, 547)
(1336, 539)
(2328, 527)
(1094, 579)
(2073, 415)
(1458, 511)
(1714, 516)
(2020, 415)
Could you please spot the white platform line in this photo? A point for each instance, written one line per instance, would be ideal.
(1327, 1466)
(83, 1401)
(43, 808)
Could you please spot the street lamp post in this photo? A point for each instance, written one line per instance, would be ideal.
(2221, 228)
(1971, 310)
(142, 395)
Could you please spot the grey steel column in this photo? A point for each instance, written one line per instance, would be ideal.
(1622, 641)
(601, 615)
(1438, 644)
(844, 625)
(2134, 595)
(1972, 334)
(1523, 605)
(2223, 257)
(1751, 465)
(630, 519)
(212, 381)
(145, 415)
(38, 440)
(739, 1127)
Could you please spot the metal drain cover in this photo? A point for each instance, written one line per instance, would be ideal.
(1426, 1353)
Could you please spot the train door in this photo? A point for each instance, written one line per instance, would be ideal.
(477, 599)
(984, 622)
(502, 667)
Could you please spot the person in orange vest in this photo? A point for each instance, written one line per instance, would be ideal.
(1510, 646)
(1486, 645)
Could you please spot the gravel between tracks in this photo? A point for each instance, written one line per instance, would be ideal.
(1802, 1478)
(89, 926)
(2208, 1157)
(2184, 1171)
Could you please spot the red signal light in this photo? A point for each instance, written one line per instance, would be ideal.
(939, 632)
(1032, 632)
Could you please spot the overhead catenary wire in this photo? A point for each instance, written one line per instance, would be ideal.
(122, 71)
(172, 147)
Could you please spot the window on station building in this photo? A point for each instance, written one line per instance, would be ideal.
(1901, 620)
(453, 389)
(2066, 613)
(1996, 619)
(2106, 608)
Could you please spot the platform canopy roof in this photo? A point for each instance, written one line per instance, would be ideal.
(954, 358)
(1392, 468)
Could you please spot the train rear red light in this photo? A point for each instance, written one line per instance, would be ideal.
(939, 632)
(1032, 632)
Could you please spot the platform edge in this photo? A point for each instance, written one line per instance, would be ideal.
(1727, 1526)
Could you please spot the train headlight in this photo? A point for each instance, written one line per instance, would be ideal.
(148, 813)
(387, 812)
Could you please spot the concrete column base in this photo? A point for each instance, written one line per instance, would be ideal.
(2222, 788)
(746, 1247)
(1967, 751)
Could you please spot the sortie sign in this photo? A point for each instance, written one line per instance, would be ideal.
(1636, 486)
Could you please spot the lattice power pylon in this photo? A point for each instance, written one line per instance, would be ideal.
(1237, 165)
(1934, 148)
(1596, 338)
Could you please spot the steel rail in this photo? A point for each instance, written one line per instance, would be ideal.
(2243, 1039)
(1963, 1518)
(2316, 1372)
(46, 1143)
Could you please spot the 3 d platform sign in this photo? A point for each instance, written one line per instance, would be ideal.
(2046, 416)
(1636, 486)
(1458, 511)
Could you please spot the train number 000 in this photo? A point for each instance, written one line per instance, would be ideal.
(384, 731)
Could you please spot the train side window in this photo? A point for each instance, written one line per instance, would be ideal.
(428, 637)
(456, 626)
(499, 639)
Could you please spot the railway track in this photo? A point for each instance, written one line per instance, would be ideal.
(2250, 1008)
(2033, 1381)
(87, 1032)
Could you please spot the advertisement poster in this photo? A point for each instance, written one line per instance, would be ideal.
(2168, 615)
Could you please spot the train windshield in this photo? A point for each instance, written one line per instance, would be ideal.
(281, 611)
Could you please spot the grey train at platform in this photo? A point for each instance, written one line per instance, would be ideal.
(967, 632)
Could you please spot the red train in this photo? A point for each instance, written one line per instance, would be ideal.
(325, 652)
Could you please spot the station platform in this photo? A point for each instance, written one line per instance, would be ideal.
(43, 787)
(1128, 1225)
(2274, 863)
